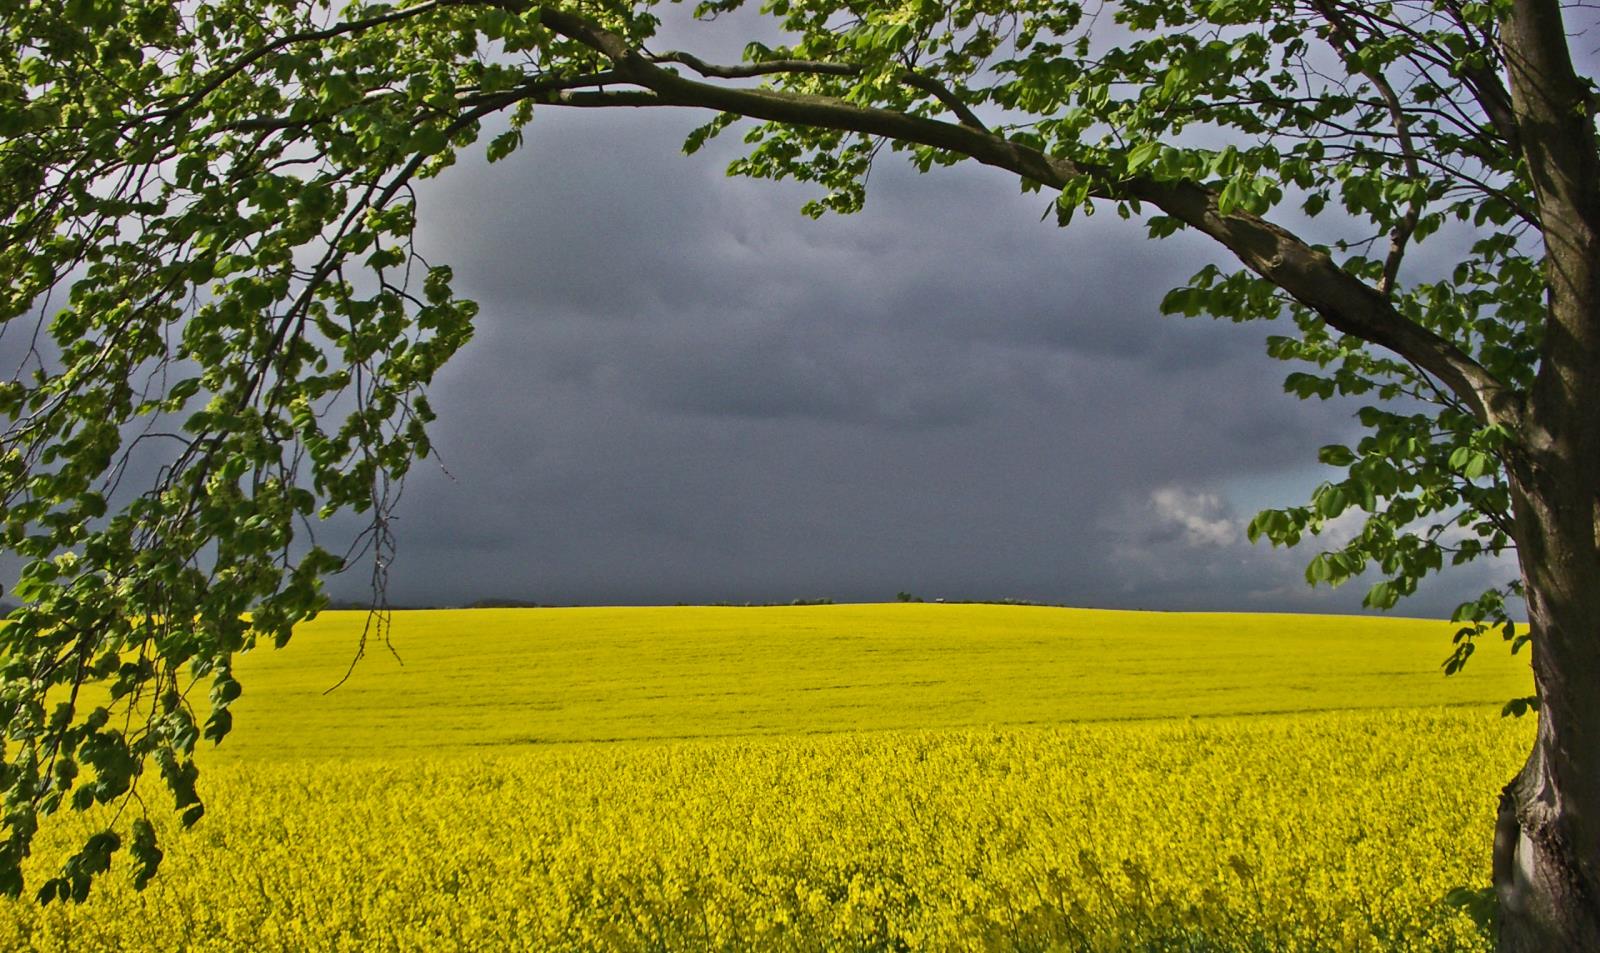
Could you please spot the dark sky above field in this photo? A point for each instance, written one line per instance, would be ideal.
(682, 389)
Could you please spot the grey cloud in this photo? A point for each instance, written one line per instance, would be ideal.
(603, 218)
(681, 389)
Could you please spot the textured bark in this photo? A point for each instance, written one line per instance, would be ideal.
(1547, 844)
(1547, 839)
(1546, 901)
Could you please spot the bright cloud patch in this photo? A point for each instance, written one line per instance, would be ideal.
(1204, 519)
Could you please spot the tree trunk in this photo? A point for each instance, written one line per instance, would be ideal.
(1547, 839)
(1548, 898)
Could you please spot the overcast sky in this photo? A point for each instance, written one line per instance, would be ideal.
(681, 389)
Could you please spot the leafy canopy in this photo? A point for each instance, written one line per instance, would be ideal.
(206, 220)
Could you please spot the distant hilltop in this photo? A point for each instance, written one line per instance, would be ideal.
(361, 605)
(509, 604)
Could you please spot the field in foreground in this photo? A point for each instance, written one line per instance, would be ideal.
(1299, 831)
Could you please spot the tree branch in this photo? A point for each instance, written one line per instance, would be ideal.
(1486, 86)
(906, 75)
(1348, 46)
(1484, 83)
(750, 70)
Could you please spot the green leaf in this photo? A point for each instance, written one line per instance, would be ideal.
(1336, 455)
(1383, 595)
(1143, 155)
(218, 725)
(1517, 707)
(504, 144)
(1330, 500)
(1473, 464)
(146, 855)
(1320, 569)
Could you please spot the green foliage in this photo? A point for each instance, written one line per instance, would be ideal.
(206, 212)
(203, 286)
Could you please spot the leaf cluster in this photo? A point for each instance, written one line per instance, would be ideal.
(206, 227)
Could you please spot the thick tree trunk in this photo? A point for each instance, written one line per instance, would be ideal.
(1549, 900)
(1547, 839)
(1547, 842)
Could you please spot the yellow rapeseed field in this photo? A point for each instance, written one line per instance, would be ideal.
(518, 677)
(832, 778)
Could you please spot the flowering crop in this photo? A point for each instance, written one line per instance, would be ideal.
(493, 677)
(1336, 831)
(828, 778)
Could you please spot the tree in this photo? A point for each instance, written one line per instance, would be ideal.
(207, 220)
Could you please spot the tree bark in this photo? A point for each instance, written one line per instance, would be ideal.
(1547, 841)
(1547, 837)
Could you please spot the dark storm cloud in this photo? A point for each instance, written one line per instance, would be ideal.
(683, 389)
(601, 216)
